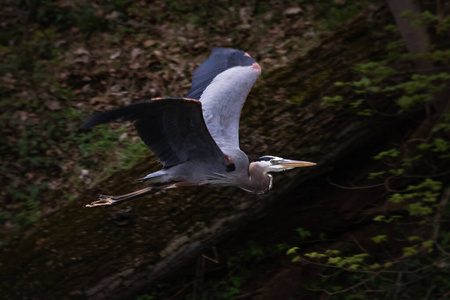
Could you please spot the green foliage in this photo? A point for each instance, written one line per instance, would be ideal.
(314, 255)
(427, 192)
(386, 219)
(373, 175)
(331, 101)
(367, 279)
(439, 56)
(389, 153)
(292, 250)
(408, 251)
(427, 184)
(426, 17)
(303, 232)
(380, 80)
(380, 238)
(418, 209)
(334, 258)
(377, 71)
(420, 89)
(234, 289)
(438, 145)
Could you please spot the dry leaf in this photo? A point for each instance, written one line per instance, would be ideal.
(135, 52)
(112, 16)
(148, 43)
(82, 59)
(244, 15)
(123, 136)
(97, 100)
(292, 11)
(53, 104)
(135, 66)
(115, 88)
(81, 51)
(115, 55)
(158, 53)
(86, 88)
(21, 115)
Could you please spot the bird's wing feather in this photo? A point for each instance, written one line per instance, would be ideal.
(173, 128)
(222, 84)
(221, 59)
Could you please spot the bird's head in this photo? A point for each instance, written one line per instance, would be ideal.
(278, 164)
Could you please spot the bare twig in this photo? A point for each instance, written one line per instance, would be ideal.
(181, 290)
(354, 187)
(375, 274)
(358, 244)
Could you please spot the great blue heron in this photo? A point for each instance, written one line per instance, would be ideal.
(196, 138)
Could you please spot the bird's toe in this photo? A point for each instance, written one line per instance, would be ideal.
(103, 200)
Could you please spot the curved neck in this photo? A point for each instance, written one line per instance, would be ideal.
(258, 181)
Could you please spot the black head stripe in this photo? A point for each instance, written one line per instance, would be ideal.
(265, 158)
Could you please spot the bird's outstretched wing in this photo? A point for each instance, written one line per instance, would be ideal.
(222, 84)
(173, 128)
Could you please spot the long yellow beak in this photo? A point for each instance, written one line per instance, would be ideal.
(296, 163)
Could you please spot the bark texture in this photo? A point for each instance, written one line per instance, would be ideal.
(416, 38)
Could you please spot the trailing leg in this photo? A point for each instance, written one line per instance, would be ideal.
(106, 200)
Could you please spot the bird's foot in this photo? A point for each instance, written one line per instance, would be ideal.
(105, 200)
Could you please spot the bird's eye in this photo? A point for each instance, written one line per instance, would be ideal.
(272, 161)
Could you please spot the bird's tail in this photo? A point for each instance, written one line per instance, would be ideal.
(159, 176)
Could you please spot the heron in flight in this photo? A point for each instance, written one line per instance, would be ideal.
(196, 138)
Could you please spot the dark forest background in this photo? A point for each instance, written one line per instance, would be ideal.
(360, 87)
